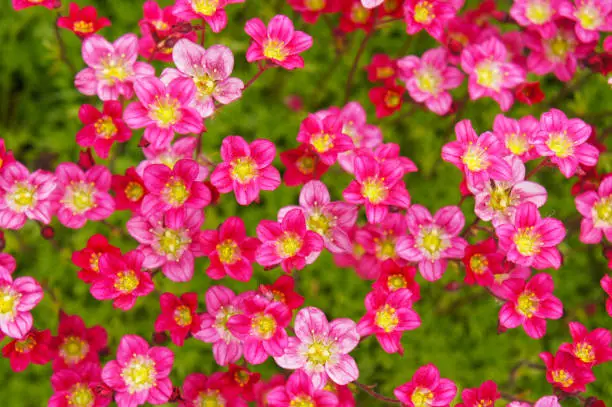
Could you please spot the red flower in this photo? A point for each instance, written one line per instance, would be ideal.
(589, 348)
(387, 99)
(481, 261)
(394, 277)
(87, 259)
(564, 372)
(240, 381)
(33, 348)
(529, 93)
(178, 315)
(102, 129)
(129, 190)
(382, 69)
(485, 395)
(303, 165)
(75, 344)
(283, 290)
(83, 21)
(6, 157)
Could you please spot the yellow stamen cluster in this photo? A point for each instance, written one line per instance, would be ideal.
(396, 282)
(527, 241)
(289, 245)
(563, 377)
(134, 191)
(560, 144)
(81, 396)
(205, 7)
(263, 326)
(322, 142)
(374, 190)
(421, 397)
(527, 304)
(182, 316)
(83, 27)
(73, 350)
(228, 251)
(584, 352)
(386, 318)
(105, 127)
(126, 281)
(539, 11)
(244, 169)
(475, 158)
(165, 111)
(25, 345)
(139, 374)
(275, 49)
(424, 12)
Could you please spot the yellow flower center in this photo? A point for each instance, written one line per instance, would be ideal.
(302, 401)
(25, 345)
(244, 169)
(484, 403)
(81, 396)
(527, 242)
(165, 111)
(517, 144)
(315, 5)
(432, 242)
(182, 315)
(358, 250)
(289, 245)
(560, 144)
(264, 326)
(589, 17)
(176, 192)
(396, 282)
(374, 190)
(424, 12)
(206, 85)
(160, 25)
(322, 142)
(584, 352)
(475, 158)
(126, 281)
(139, 374)
(489, 75)
(172, 242)
(421, 397)
(429, 81)
(241, 377)
(306, 165)
(500, 199)
(8, 300)
(602, 212)
(134, 191)
(478, 263)
(94, 261)
(319, 222)
(385, 72)
(392, 99)
(563, 377)
(205, 7)
(114, 70)
(83, 27)
(559, 47)
(279, 296)
(359, 14)
(274, 49)
(80, 196)
(385, 248)
(386, 318)
(105, 127)
(527, 304)
(318, 353)
(538, 11)
(22, 197)
(228, 251)
(210, 398)
(73, 350)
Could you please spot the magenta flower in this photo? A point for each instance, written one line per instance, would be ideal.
(606, 285)
(498, 200)
(82, 196)
(183, 148)
(246, 169)
(387, 316)
(429, 78)
(393, 277)
(300, 391)
(565, 142)
(163, 110)
(279, 43)
(321, 348)
(480, 158)
(179, 187)
(178, 316)
(211, 11)
(102, 129)
(432, 239)
(25, 196)
(536, 14)
(329, 219)
(430, 15)
(169, 240)
(21, 4)
(76, 344)
(122, 279)
(220, 307)
(591, 17)
(288, 243)
(565, 373)
(531, 240)
(530, 304)
(198, 389)
(229, 250)
(261, 328)
(17, 298)
(490, 73)
(426, 389)
(324, 134)
(112, 68)
(72, 387)
(485, 395)
(516, 135)
(210, 71)
(377, 186)
(7, 265)
(589, 348)
(140, 373)
(596, 207)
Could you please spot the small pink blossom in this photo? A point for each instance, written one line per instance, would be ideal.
(325, 136)
(72, 386)
(300, 391)
(393, 277)
(288, 243)
(537, 14)
(430, 15)
(199, 389)
(596, 208)
(589, 348)
(426, 384)
(279, 43)
(591, 16)
(516, 135)
(112, 68)
(485, 395)
(211, 11)
(163, 110)
(481, 261)
(321, 349)
(371, 3)
(102, 129)
(21, 4)
(565, 373)
(76, 344)
(183, 148)
(178, 316)
(17, 298)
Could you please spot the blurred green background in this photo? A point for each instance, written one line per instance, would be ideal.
(38, 121)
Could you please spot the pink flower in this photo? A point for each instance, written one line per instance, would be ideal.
(102, 129)
(503, 275)
(283, 291)
(209, 70)
(498, 200)
(480, 158)
(303, 164)
(606, 284)
(129, 190)
(490, 73)
(229, 250)
(429, 78)
(199, 389)
(564, 372)
(169, 240)
(430, 15)
(221, 306)
(170, 155)
(75, 386)
(393, 277)
(329, 219)
(481, 260)
(531, 240)
(530, 304)
(82, 196)
(88, 259)
(17, 298)
(178, 315)
(596, 207)
(261, 328)
(325, 136)
(537, 14)
(140, 373)
(589, 348)
(7, 265)
(288, 243)
(33, 348)
(122, 279)
(591, 16)
(83, 21)
(76, 344)
(312, 9)
(163, 110)
(112, 68)
(377, 186)
(279, 43)
(371, 3)
(432, 239)
(300, 391)
(21, 4)
(6, 157)
(387, 316)
(426, 388)
(380, 153)
(211, 11)
(485, 395)
(321, 348)
(565, 142)
(246, 169)
(25, 196)
(516, 135)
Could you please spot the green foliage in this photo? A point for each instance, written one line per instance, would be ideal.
(38, 120)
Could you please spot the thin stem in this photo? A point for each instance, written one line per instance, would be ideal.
(203, 34)
(470, 227)
(62, 49)
(369, 390)
(349, 81)
(255, 77)
(510, 397)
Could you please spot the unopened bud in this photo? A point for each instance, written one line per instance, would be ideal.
(47, 232)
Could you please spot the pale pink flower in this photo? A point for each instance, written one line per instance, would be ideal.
(211, 11)
(515, 135)
(596, 207)
(371, 3)
(537, 14)
(163, 110)
(429, 78)
(430, 15)
(210, 71)
(17, 298)
(591, 16)
(25, 196)
(321, 349)
(112, 68)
